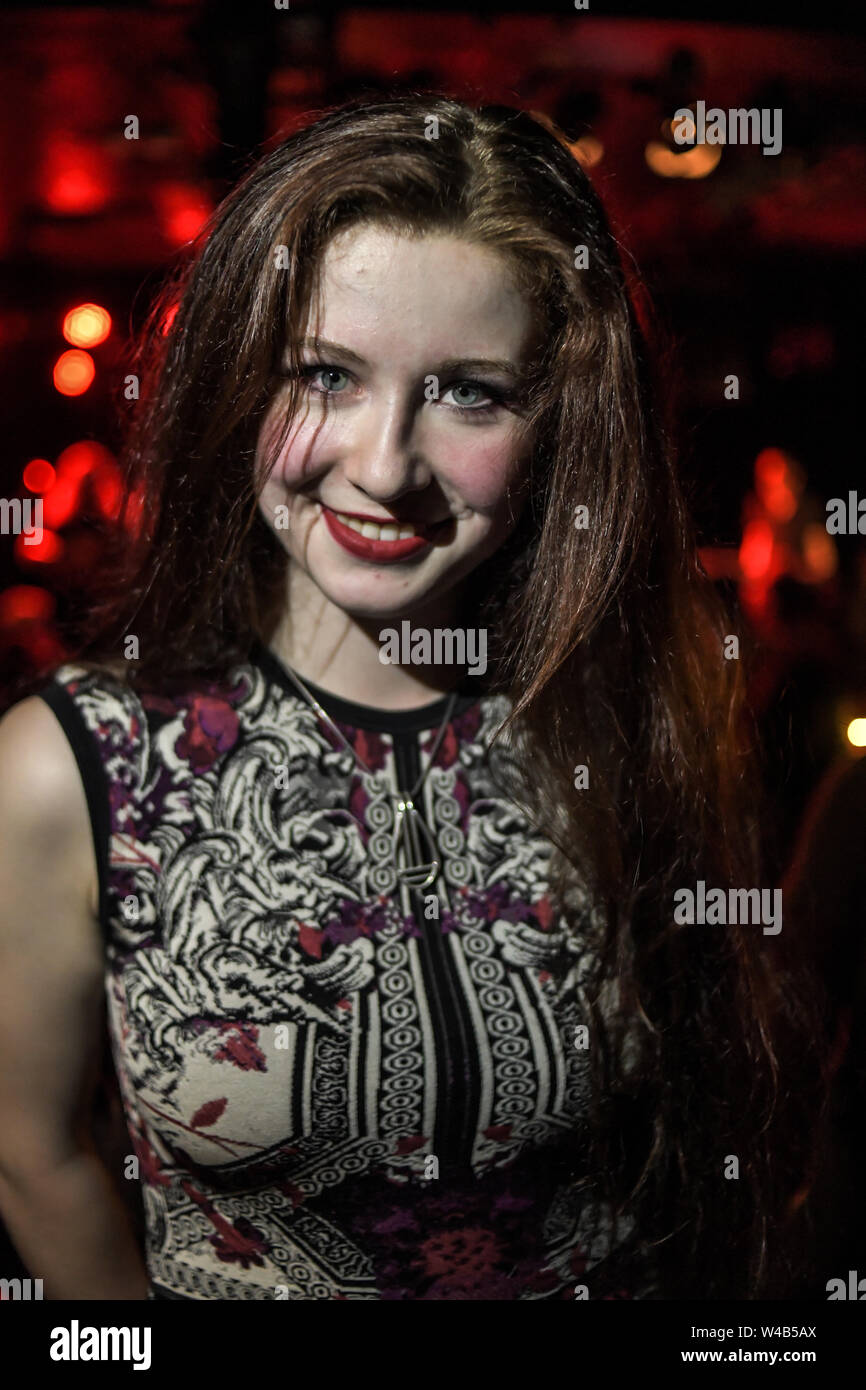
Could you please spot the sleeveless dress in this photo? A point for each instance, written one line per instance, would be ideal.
(336, 1086)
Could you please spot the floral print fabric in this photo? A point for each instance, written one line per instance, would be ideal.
(337, 1087)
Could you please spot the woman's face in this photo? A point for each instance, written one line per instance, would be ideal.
(394, 481)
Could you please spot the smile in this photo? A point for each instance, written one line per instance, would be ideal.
(373, 531)
(380, 541)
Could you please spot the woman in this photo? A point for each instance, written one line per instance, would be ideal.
(407, 720)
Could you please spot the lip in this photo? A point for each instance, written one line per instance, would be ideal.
(382, 552)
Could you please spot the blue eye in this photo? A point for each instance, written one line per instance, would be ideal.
(327, 380)
(466, 386)
(490, 398)
(330, 387)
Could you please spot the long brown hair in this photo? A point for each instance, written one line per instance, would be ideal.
(608, 638)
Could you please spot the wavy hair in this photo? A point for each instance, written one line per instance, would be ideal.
(608, 639)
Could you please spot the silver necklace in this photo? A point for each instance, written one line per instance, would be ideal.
(407, 849)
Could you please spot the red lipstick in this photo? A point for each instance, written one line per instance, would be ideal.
(382, 552)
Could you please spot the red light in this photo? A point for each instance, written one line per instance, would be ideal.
(168, 318)
(38, 475)
(25, 603)
(83, 457)
(73, 372)
(109, 492)
(133, 513)
(78, 461)
(75, 178)
(756, 550)
(781, 502)
(87, 325)
(45, 551)
(61, 504)
(771, 466)
(183, 211)
(778, 483)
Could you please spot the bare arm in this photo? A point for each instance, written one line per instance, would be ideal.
(58, 1200)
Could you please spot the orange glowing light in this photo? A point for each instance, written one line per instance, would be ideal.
(779, 483)
(819, 552)
(683, 129)
(74, 371)
(694, 163)
(781, 502)
(87, 325)
(588, 151)
(38, 475)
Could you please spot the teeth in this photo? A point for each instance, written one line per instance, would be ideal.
(372, 531)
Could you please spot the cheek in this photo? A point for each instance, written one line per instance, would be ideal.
(292, 458)
(485, 471)
(475, 466)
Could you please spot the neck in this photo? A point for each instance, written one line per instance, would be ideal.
(340, 653)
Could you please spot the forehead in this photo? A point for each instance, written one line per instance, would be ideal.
(388, 293)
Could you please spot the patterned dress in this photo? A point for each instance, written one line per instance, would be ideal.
(336, 1085)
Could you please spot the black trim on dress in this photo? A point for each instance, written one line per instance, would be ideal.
(378, 721)
(94, 779)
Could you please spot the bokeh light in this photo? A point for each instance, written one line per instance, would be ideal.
(588, 151)
(44, 551)
(857, 733)
(694, 163)
(75, 177)
(74, 371)
(779, 483)
(87, 325)
(756, 549)
(25, 603)
(38, 476)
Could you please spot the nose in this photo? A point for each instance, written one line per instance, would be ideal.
(383, 459)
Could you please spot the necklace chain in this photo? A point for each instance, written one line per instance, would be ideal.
(409, 826)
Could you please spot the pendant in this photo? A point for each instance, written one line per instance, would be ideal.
(409, 829)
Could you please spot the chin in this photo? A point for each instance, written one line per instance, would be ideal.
(389, 593)
(390, 604)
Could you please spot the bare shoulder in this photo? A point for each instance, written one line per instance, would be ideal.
(51, 955)
(44, 818)
(38, 770)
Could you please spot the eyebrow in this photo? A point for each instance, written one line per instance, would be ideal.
(451, 364)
